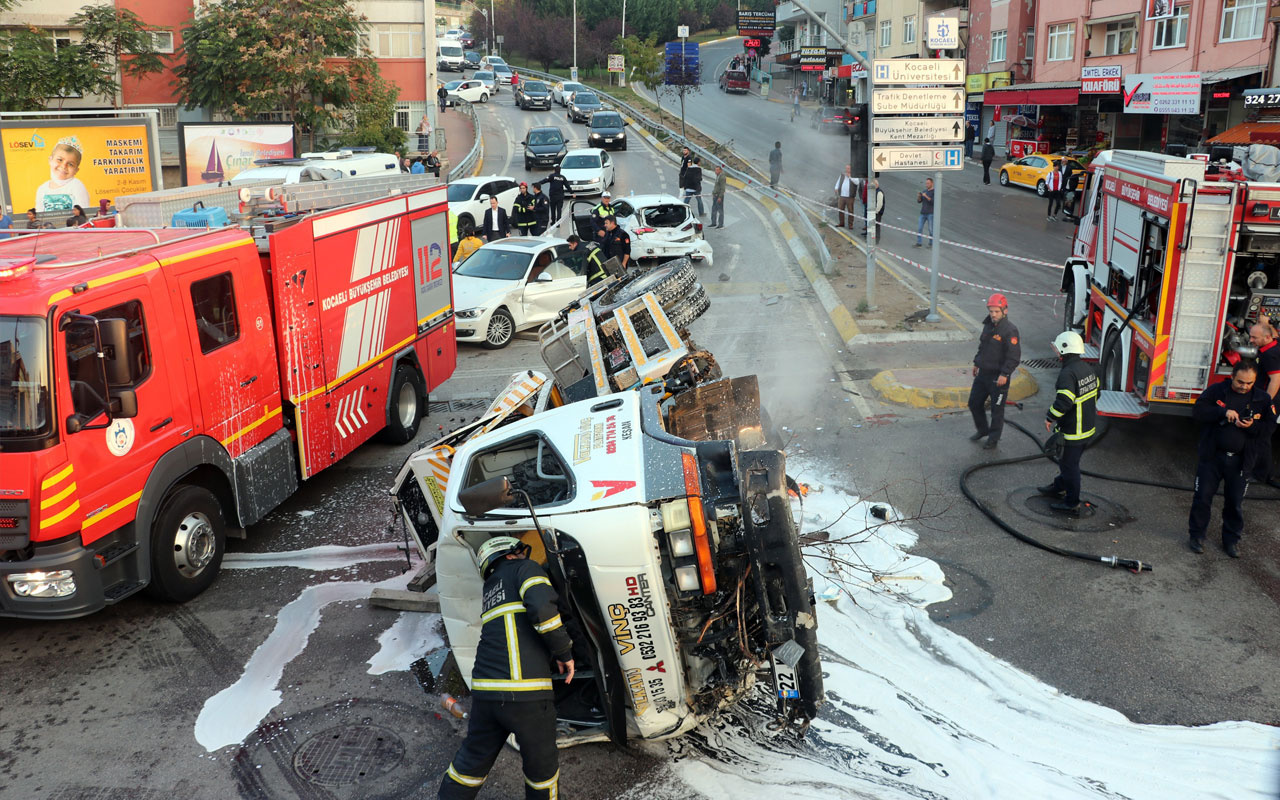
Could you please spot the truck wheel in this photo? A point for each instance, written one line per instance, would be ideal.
(1069, 309)
(669, 282)
(1110, 365)
(501, 329)
(689, 309)
(407, 408)
(188, 539)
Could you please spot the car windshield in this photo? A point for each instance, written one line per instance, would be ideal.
(585, 99)
(503, 68)
(545, 137)
(473, 55)
(451, 85)
(24, 377)
(494, 263)
(581, 161)
(535, 86)
(570, 88)
(482, 75)
(452, 52)
(461, 192)
(496, 60)
(600, 120)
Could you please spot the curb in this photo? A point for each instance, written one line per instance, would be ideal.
(889, 387)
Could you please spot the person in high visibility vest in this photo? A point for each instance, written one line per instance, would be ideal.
(1074, 413)
(593, 263)
(453, 235)
(524, 214)
(600, 213)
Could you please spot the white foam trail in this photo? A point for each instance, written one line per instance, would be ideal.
(410, 638)
(917, 711)
(319, 559)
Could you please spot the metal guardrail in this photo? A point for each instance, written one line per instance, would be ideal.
(794, 211)
(463, 168)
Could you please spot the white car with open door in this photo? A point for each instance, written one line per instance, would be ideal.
(661, 226)
(589, 171)
(469, 197)
(473, 91)
(514, 284)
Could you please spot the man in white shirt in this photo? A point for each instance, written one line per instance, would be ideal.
(1053, 191)
(846, 191)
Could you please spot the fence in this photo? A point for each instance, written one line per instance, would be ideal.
(463, 168)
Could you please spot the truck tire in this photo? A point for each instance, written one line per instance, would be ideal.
(1111, 364)
(1069, 309)
(690, 308)
(407, 406)
(669, 282)
(188, 540)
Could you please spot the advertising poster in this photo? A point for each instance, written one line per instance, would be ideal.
(213, 152)
(1149, 93)
(1159, 9)
(52, 165)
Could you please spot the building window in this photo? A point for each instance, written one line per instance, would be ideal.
(1062, 42)
(387, 40)
(1031, 45)
(1121, 38)
(162, 41)
(168, 116)
(1242, 19)
(908, 29)
(999, 40)
(1172, 32)
(402, 118)
(886, 33)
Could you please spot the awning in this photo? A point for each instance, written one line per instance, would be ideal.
(1250, 133)
(1049, 93)
(1112, 18)
(1220, 75)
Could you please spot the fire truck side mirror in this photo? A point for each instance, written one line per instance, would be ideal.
(115, 350)
(124, 404)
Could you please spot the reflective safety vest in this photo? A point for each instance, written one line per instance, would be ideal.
(520, 627)
(1075, 405)
(594, 262)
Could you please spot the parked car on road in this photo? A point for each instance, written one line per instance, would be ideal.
(1031, 171)
(829, 119)
(589, 171)
(503, 74)
(488, 78)
(512, 285)
(472, 59)
(562, 91)
(533, 94)
(734, 80)
(469, 197)
(607, 130)
(473, 91)
(544, 146)
(489, 61)
(583, 105)
(661, 226)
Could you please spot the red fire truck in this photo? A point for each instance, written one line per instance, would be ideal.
(163, 387)
(1172, 261)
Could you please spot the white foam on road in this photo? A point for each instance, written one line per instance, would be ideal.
(408, 639)
(319, 559)
(916, 711)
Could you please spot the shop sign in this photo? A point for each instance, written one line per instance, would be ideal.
(1100, 80)
(1150, 199)
(813, 59)
(996, 80)
(976, 83)
(1174, 93)
(1025, 147)
(756, 23)
(1259, 98)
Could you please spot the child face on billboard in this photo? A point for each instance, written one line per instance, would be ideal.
(64, 163)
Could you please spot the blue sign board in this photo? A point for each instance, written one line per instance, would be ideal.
(682, 65)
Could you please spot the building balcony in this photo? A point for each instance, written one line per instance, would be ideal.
(867, 8)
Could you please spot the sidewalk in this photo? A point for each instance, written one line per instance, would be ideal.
(459, 136)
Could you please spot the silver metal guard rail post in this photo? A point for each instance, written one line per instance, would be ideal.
(463, 168)
(791, 208)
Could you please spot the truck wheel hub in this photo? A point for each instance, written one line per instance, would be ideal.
(194, 544)
(407, 404)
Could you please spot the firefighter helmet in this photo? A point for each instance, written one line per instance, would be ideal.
(1069, 342)
(496, 548)
(998, 300)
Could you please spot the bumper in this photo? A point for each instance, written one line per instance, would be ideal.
(613, 144)
(67, 554)
(697, 249)
(472, 331)
(586, 191)
(543, 103)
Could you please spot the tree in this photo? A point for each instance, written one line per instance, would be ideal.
(246, 58)
(36, 71)
(479, 27)
(691, 17)
(374, 113)
(723, 17)
(118, 43)
(644, 61)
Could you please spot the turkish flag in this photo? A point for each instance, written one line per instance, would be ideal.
(996, 118)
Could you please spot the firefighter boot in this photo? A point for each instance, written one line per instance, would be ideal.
(1063, 507)
(1051, 491)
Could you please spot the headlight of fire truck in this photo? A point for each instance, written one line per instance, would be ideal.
(58, 583)
(470, 313)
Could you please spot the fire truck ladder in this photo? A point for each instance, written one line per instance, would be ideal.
(1195, 336)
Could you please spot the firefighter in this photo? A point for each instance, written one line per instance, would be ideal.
(1234, 417)
(593, 261)
(521, 631)
(600, 213)
(523, 213)
(993, 366)
(1074, 412)
(616, 242)
(1263, 337)
(540, 210)
(559, 187)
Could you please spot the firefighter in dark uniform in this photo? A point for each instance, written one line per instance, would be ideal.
(600, 213)
(1263, 337)
(558, 187)
(593, 260)
(616, 242)
(521, 631)
(1074, 412)
(523, 216)
(1234, 416)
(540, 210)
(993, 366)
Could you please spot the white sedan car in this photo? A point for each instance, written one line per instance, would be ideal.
(589, 171)
(469, 197)
(514, 284)
(661, 226)
(562, 91)
(473, 91)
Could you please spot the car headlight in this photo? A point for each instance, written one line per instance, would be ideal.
(594, 180)
(595, 136)
(470, 313)
(57, 583)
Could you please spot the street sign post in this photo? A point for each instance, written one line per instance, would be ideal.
(895, 130)
(915, 71)
(918, 158)
(917, 101)
(615, 62)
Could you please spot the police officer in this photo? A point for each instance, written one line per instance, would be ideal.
(540, 210)
(558, 187)
(1074, 412)
(993, 366)
(523, 216)
(600, 212)
(593, 261)
(521, 631)
(616, 243)
(1234, 417)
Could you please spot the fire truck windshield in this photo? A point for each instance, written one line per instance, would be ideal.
(24, 377)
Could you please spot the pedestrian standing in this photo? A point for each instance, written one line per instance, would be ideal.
(1074, 412)
(1233, 417)
(424, 134)
(693, 184)
(879, 206)
(616, 242)
(846, 191)
(540, 211)
(988, 155)
(717, 198)
(795, 103)
(523, 216)
(1263, 337)
(969, 133)
(442, 97)
(775, 164)
(686, 161)
(496, 225)
(998, 356)
(418, 168)
(558, 187)
(469, 244)
(521, 631)
(433, 164)
(1053, 191)
(991, 132)
(925, 199)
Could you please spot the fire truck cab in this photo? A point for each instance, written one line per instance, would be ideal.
(1173, 259)
(163, 387)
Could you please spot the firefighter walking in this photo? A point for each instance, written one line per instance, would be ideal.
(521, 631)
(1074, 413)
(524, 212)
(998, 356)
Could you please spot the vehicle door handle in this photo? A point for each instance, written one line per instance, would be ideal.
(248, 381)
(161, 424)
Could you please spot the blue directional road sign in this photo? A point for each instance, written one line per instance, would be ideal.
(682, 64)
(953, 158)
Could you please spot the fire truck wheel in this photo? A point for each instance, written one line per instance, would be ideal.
(689, 309)
(501, 329)
(1069, 309)
(406, 406)
(188, 539)
(1111, 366)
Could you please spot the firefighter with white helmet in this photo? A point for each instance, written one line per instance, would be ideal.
(521, 631)
(1074, 412)
(998, 356)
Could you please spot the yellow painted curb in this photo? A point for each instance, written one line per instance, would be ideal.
(891, 389)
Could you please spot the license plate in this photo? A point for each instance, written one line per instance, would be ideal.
(784, 680)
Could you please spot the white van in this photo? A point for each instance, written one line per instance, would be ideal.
(449, 55)
(355, 162)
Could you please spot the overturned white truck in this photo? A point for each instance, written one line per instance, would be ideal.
(659, 512)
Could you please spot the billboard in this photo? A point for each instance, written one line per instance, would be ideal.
(756, 23)
(1174, 93)
(1161, 9)
(210, 152)
(52, 165)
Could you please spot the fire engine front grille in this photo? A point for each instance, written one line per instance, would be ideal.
(15, 524)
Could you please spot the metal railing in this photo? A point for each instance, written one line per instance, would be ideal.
(754, 181)
(463, 168)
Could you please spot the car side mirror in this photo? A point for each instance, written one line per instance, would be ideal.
(544, 278)
(487, 495)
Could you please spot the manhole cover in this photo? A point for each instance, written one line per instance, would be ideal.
(1104, 515)
(348, 754)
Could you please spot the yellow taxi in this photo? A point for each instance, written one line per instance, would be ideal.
(1031, 171)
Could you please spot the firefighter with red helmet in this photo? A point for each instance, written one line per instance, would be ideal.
(521, 631)
(998, 356)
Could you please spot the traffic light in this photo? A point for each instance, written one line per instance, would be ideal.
(859, 122)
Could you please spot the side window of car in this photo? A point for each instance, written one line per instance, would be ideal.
(214, 302)
(501, 186)
(530, 463)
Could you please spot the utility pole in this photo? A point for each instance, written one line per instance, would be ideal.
(429, 63)
(575, 40)
(622, 76)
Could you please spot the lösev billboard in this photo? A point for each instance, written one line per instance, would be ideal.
(52, 165)
(211, 152)
(1172, 93)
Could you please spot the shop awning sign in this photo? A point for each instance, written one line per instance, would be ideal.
(813, 59)
(1169, 93)
(1103, 79)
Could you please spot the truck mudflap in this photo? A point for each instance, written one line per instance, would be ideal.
(788, 614)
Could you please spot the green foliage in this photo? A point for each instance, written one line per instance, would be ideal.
(373, 118)
(116, 41)
(36, 72)
(644, 61)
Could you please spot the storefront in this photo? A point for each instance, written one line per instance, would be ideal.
(1032, 117)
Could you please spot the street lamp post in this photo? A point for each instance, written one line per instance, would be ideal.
(622, 76)
(575, 40)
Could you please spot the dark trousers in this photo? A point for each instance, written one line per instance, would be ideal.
(986, 172)
(1055, 202)
(968, 149)
(717, 210)
(1229, 471)
(557, 206)
(525, 229)
(984, 386)
(1068, 479)
(534, 726)
(774, 173)
(539, 227)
